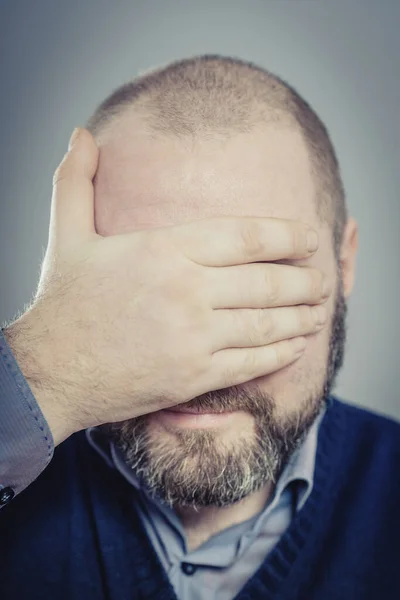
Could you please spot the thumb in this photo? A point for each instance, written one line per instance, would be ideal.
(72, 203)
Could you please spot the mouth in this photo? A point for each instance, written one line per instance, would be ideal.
(196, 418)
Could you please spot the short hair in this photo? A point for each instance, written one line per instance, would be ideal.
(209, 95)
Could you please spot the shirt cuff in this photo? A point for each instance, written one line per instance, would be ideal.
(26, 442)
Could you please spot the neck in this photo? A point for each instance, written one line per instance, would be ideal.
(202, 523)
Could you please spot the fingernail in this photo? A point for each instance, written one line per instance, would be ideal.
(312, 241)
(74, 137)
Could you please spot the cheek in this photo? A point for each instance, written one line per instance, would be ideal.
(292, 386)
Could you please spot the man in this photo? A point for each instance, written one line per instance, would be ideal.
(183, 345)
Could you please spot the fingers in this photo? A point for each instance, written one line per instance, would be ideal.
(265, 285)
(225, 241)
(248, 328)
(238, 365)
(72, 204)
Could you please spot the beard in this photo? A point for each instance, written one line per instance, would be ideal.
(196, 469)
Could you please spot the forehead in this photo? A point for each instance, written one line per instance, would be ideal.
(147, 180)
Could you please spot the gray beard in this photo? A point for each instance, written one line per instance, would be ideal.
(197, 470)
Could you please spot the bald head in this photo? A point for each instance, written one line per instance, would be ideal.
(214, 99)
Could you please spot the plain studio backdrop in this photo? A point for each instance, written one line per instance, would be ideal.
(59, 59)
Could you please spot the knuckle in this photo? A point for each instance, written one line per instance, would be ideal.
(299, 237)
(264, 324)
(257, 327)
(272, 286)
(276, 356)
(229, 374)
(157, 249)
(305, 317)
(186, 297)
(251, 235)
(316, 283)
(60, 173)
(249, 364)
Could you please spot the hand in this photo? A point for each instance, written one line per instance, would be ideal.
(124, 325)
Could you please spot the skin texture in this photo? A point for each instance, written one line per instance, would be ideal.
(146, 181)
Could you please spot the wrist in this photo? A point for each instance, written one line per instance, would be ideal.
(38, 373)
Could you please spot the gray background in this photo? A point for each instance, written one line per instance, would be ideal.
(60, 59)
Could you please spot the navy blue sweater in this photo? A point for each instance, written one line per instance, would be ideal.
(74, 534)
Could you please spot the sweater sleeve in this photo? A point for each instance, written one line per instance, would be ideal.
(26, 442)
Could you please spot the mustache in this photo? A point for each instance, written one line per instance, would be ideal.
(233, 398)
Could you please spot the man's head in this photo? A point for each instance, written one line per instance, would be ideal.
(214, 136)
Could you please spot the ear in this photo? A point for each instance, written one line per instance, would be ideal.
(348, 253)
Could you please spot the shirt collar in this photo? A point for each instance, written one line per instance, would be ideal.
(300, 467)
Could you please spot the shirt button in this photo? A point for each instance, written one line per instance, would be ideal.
(188, 568)
(6, 494)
